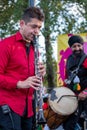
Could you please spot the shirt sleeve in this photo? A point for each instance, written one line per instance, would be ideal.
(6, 80)
(85, 63)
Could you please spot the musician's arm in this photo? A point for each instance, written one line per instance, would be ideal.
(83, 94)
(85, 63)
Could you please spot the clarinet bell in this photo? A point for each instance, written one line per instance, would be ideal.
(41, 118)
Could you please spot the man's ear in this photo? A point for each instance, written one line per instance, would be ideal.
(22, 23)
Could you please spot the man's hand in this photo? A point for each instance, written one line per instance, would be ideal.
(82, 96)
(34, 82)
(41, 69)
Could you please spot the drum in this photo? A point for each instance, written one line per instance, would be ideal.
(62, 102)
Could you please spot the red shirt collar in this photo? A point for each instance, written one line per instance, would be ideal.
(19, 36)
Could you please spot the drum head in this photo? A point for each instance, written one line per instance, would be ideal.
(63, 101)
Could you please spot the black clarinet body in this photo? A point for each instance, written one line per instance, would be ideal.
(39, 99)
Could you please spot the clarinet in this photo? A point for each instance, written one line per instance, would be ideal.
(39, 114)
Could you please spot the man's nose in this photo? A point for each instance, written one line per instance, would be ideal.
(77, 48)
(37, 30)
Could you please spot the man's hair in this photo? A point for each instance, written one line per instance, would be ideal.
(33, 12)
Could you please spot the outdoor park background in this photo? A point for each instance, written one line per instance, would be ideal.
(61, 18)
(63, 52)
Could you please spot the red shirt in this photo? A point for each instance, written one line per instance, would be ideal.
(15, 65)
(45, 106)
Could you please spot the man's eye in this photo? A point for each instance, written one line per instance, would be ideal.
(79, 46)
(33, 26)
(74, 46)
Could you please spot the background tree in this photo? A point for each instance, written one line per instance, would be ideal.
(10, 13)
(60, 18)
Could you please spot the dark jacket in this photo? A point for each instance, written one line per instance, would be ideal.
(72, 64)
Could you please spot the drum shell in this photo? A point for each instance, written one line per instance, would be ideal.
(53, 119)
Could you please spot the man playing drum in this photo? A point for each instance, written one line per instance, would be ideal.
(76, 75)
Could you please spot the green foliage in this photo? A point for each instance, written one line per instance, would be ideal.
(57, 16)
(10, 13)
(62, 15)
(60, 18)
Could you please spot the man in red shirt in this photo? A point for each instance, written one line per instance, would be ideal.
(17, 73)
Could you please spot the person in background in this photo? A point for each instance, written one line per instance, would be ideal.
(17, 73)
(77, 84)
(45, 102)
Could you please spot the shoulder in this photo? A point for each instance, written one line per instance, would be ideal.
(70, 58)
(7, 43)
(85, 61)
(8, 40)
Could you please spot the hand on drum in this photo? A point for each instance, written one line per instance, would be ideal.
(82, 96)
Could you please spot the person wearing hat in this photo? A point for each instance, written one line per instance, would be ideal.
(78, 82)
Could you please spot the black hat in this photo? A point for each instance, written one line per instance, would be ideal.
(75, 39)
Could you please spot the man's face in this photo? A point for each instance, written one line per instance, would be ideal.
(77, 48)
(28, 30)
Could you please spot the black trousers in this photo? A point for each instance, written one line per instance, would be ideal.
(70, 123)
(12, 121)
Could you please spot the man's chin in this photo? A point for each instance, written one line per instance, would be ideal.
(78, 54)
(32, 38)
